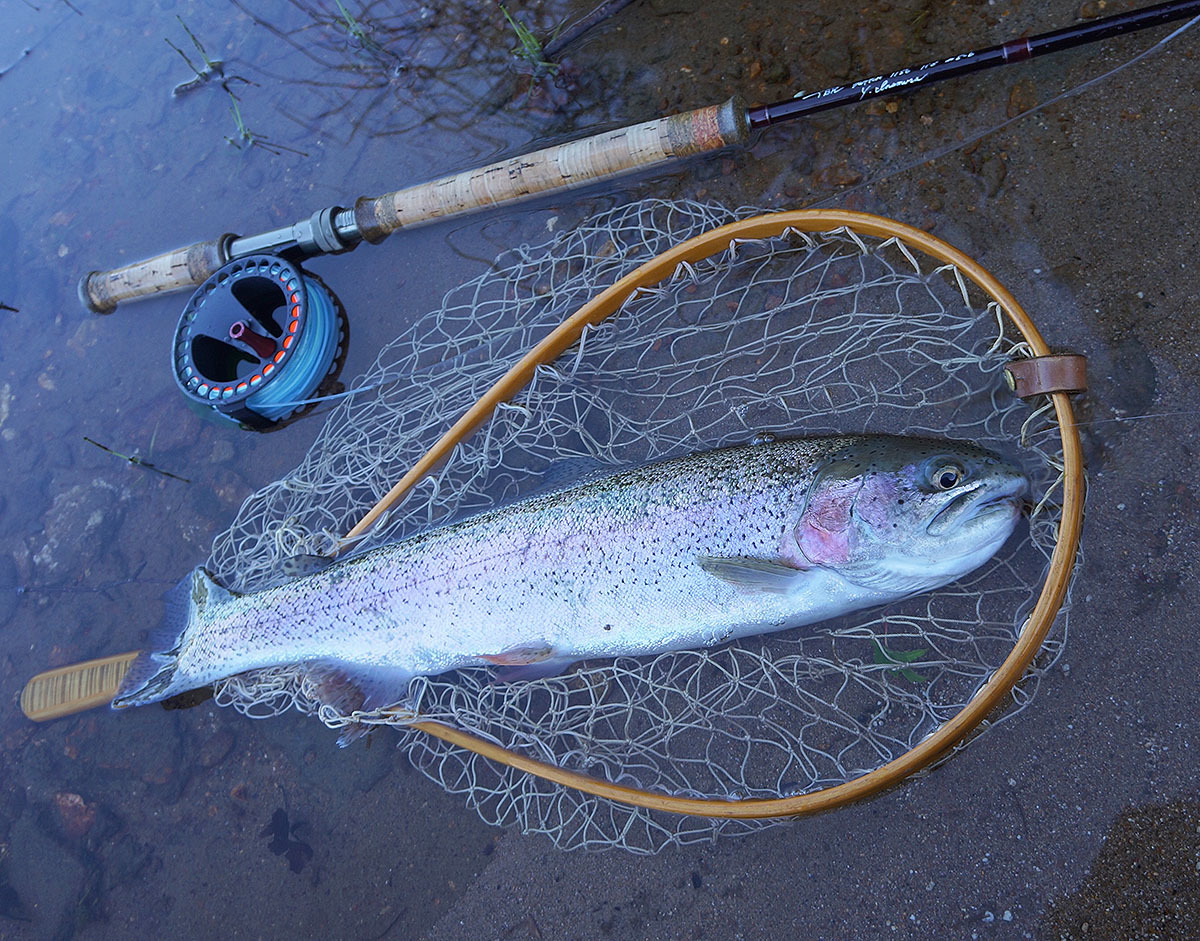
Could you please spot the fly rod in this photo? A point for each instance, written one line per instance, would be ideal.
(574, 164)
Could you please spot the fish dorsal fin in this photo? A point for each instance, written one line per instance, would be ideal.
(569, 471)
(757, 574)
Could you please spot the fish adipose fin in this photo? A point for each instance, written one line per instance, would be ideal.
(757, 574)
(298, 566)
(152, 676)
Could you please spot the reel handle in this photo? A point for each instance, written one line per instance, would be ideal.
(101, 291)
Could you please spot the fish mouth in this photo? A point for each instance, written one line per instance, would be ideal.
(980, 503)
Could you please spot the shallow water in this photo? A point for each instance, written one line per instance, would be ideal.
(154, 822)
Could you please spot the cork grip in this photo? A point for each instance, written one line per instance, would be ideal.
(101, 291)
(563, 166)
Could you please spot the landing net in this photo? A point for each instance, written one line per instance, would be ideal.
(794, 335)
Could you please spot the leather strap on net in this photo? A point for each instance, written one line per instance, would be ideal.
(1041, 375)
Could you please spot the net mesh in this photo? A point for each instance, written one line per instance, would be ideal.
(793, 335)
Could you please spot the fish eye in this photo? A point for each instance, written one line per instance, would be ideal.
(947, 476)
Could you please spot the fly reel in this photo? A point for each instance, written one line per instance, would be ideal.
(257, 341)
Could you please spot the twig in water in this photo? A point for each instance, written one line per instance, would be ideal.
(101, 589)
(248, 137)
(356, 29)
(8, 68)
(568, 36)
(530, 47)
(134, 459)
(212, 68)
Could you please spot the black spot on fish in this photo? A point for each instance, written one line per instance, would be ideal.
(282, 843)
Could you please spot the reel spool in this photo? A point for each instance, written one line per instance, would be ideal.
(257, 340)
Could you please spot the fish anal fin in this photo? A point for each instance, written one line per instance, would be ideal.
(531, 661)
(751, 573)
(350, 687)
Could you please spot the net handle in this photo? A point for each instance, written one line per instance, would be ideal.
(607, 303)
(604, 305)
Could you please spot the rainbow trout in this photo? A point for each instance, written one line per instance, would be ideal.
(686, 553)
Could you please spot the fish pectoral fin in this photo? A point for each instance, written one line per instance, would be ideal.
(751, 573)
(521, 655)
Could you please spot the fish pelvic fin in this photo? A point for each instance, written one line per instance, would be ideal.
(532, 661)
(154, 675)
(521, 655)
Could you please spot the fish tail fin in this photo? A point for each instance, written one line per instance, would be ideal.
(155, 674)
